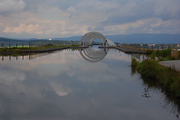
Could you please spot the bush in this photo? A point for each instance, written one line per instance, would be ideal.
(160, 54)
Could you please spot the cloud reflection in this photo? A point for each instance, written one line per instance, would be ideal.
(60, 89)
(9, 75)
(65, 86)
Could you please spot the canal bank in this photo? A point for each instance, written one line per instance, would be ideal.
(126, 50)
(13, 51)
(167, 78)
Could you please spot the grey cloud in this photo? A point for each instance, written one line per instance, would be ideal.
(10, 6)
(143, 9)
(62, 18)
(167, 9)
(62, 4)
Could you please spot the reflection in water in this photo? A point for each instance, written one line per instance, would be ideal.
(169, 100)
(28, 56)
(92, 55)
(146, 93)
(150, 85)
(64, 86)
(23, 57)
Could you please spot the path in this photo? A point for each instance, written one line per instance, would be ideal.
(171, 63)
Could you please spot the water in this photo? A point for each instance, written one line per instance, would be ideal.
(65, 86)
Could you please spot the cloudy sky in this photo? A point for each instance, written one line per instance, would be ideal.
(64, 18)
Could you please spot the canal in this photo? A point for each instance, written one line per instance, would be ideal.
(65, 86)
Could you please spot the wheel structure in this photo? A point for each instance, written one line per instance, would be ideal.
(90, 54)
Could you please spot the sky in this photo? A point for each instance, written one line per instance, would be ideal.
(65, 18)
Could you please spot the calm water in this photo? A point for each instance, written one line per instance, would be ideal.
(65, 86)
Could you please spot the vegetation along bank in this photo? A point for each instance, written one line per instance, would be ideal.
(168, 79)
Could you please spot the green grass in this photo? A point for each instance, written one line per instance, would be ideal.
(161, 55)
(20, 49)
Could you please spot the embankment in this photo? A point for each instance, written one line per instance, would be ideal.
(168, 79)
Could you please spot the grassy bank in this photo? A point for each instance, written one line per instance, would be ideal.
(162, 55)
(15, 50)
(166, 78)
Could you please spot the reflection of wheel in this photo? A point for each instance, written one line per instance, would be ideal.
(92, 55)
(89, 53)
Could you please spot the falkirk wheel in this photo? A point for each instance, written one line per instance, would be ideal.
(88, 38)
(90, 54)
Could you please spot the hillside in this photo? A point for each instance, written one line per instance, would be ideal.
(146, 38)
(130, 39)
(137, 38)
(2, 39)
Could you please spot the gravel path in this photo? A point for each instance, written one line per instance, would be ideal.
(171, 63)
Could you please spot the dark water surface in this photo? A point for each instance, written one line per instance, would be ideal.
(64, 86)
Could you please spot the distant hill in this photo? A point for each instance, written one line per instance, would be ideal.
(73, 38)
(7, 39)
(131, 38)
(6, 42)
(137, 38)
(146, 38)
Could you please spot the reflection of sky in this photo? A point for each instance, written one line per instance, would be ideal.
(65, 86)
